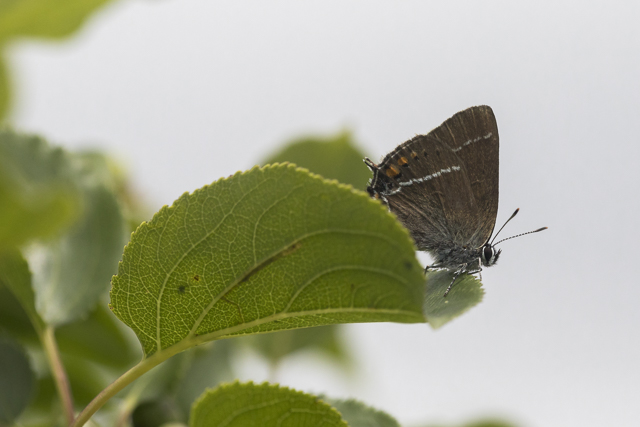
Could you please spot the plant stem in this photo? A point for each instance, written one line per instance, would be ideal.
(128, 377)
(59, 374)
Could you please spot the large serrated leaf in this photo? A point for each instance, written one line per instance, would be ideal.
(269, 249)
(333, 157)
(265, 405)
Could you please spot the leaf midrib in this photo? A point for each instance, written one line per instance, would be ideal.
(248, 273)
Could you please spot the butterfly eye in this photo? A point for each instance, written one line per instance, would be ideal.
(487, 254)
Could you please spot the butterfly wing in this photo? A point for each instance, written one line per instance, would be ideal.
(443, 186)
(425, 184)
(472, 135)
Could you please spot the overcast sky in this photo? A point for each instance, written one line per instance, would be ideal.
(185, 92)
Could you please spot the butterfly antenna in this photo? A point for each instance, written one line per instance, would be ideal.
(506, 222)
(518, 235)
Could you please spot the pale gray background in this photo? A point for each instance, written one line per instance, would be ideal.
(189, 91)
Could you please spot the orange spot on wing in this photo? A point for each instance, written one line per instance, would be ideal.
(392, 171)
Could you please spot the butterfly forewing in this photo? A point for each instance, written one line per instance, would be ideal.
(443, 186)
(473, 135)
(418, 181)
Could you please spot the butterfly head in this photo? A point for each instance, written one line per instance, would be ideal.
(489, 255)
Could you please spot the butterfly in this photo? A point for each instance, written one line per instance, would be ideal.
(443, 187)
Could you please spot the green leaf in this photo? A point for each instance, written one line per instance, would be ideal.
(44, 18)
(270, 249)
(490, 422)
(265, 405)
(71, 273)
(207, 366)
(16, 380)
(15, 275)
(357, 414)
(326, 339)
(38, 196)
(14, 319)
(333, 157)
(155, 413)
(466, 292)
(5, 89)
(493, 422)
(38, 18)
(100, 338)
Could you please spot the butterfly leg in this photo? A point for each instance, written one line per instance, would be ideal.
(455, 276)
(432, 267)
(479, 271)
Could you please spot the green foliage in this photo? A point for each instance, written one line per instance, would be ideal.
(324, 339)
(72, 272)
(16, 380)
(270, 249)
(38, 18)
(15, 275)
(334, 157)
(38, 191)
(489, 422)
(264, 405)
(5, 89)
(100, 338)
(466, 293)
(357, 414)
(43, 18)
(203, 367)
(273, 249)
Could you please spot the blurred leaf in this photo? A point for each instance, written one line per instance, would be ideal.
(100, 338)
(155, 413)
(14, 319)
(357, 414)
(491, 422)
(177, 383)
(334, 157)
(265, 405)
(87, 379)
(269, 249)
(16, 380)
(71, 273)
(466, 292)
(37, 194)
(275, 347)
(38, 18)
(15, 275)
(44, 18)
(208, 365)
(111, 174)
(5, 89)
